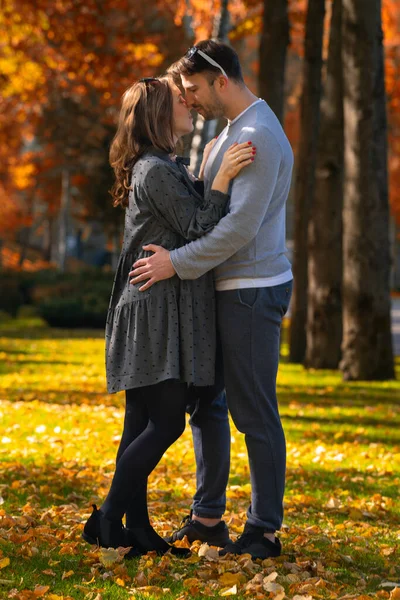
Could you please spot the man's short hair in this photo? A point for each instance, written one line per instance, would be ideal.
(194, 62)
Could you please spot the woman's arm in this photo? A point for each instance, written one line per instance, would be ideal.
(174, 203)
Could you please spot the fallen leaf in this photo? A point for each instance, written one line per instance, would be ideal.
(109, 556)
(206, 551)
(229, 592)
(204, 548)
(67, 574)
(232, 578)
(4, 562)
(40, 590)
(270, 586)
(271, 577)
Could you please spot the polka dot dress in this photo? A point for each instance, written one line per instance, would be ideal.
(168, 331)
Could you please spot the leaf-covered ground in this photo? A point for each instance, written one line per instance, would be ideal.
(58, 438)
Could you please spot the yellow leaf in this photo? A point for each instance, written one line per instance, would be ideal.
(120, 582)
(67, 574)
(355, 514)
(229, 592)
(109, 556)
(231, 578)
(191, 582)
(395, 594)
(4, 562)
(146, 590)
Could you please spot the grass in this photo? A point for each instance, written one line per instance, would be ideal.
(58, 439)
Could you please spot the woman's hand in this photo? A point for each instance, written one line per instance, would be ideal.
(206, 153)
(236, 158)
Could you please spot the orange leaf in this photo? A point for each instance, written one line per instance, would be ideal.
(40, 590)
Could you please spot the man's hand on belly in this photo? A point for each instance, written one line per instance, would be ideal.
(153, 268)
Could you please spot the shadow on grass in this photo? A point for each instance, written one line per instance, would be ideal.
(50, 333)
(351, 395)
(77, 397)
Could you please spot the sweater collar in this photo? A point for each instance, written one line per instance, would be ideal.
(244, 111)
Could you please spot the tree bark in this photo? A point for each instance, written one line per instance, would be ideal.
(305, 173)
(367, 340)
(222, 22)
(64, 219)
(324, 311)
(273, 48)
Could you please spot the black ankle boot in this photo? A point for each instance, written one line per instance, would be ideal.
(146, 539)
(105, 533)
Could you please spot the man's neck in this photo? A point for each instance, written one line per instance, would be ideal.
(241, 99)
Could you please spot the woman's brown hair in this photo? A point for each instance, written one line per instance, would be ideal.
(145, 120)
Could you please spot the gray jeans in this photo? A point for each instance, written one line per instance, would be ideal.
(249, 323)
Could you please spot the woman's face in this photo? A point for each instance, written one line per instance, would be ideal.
(182, 118)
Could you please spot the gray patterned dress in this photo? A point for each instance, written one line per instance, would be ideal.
(168, 331)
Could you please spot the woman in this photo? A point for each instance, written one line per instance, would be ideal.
(162, 341)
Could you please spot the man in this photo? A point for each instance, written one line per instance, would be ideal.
(253, 277)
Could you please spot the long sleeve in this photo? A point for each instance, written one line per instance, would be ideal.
(251, 195)
(176, 203)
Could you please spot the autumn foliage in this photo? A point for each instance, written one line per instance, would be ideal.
(65, 64)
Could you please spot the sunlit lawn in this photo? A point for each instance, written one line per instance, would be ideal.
(58, 438)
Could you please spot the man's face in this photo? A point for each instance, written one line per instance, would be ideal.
(201, 94)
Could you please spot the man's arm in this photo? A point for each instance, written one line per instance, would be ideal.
(250, 197)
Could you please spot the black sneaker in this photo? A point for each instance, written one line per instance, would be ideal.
(217, 535)
(252, 541)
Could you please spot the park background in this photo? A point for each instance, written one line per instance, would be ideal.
(333, 80)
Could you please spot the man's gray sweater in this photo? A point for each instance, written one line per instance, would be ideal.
(249, 242)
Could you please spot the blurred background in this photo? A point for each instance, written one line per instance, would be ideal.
(64, 65)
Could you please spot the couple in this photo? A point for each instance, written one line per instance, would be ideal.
(190, 236)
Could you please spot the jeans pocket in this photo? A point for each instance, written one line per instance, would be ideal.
(248, 296)
(286, 294)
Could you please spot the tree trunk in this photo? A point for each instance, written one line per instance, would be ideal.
(48, 239)
(367, 340)
(222, 22)
(324, 313)
(273, 46)
(305, 173)
(63, 219)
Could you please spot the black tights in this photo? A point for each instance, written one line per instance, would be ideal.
(154, 420)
